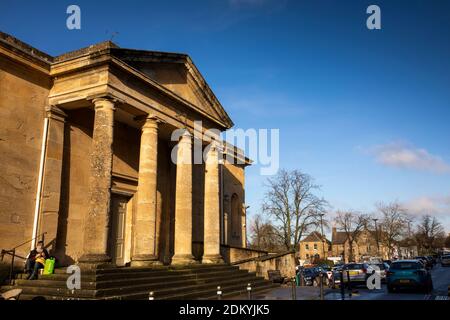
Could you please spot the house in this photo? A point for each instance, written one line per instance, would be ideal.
(314, 246)
(365, 246)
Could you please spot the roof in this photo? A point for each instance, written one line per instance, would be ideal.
(129, 57)
(339, 237)
(315, 237)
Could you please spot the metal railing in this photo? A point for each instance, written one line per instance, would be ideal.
(12, 253)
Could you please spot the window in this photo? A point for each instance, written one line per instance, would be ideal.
(315, 246)
(307, 256)
(307, 246)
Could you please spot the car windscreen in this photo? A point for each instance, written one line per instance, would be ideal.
(354, 266)
(406, 265)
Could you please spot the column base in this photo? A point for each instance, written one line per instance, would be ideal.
(183, 259)
(145, 260)
(94, 258)
(95, 261)
(212, 259)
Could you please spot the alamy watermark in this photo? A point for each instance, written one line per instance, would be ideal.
(73, 21)
(235, 146)
(374, 280)
(374, 20)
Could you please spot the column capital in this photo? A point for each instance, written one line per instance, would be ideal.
(150, 121)
(186, 136)
(103, 103)
(54, 112)
(105, 96)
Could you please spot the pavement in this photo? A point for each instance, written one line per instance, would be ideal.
(285, 293)
(440, 275)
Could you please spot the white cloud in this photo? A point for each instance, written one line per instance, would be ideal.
(404, 155)
(438, 206)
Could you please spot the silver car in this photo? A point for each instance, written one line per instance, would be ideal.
(381, 269)
(357, 273)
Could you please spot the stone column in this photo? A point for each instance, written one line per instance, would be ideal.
(95, 246)
(183, 203)
(145, 245)
(211, 243)
(51, 191)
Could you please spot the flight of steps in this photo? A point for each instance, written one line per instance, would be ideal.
(188, 282)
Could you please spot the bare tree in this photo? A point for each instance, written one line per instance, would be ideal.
(291, 202)
(263, 235)
(352, 223)
(447, 242)
(394, 224)
(430, 234)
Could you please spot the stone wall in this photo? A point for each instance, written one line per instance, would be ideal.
(284, 262)
(234, 254)
(23, 94)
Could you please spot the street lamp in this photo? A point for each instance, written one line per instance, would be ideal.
(321, 227)
(376, 236)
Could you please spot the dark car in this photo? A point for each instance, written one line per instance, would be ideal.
(408, 274)
(311, 276)
(432, 259)
(388, 262)
(428, 263)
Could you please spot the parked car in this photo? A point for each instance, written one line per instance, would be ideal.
(308, 275)
(389, 262)
(336, 275)
(427, 262)
(431, 260)
(381, 270)
(445, 260)
(408, 274)
(311, 276)
(357, 272)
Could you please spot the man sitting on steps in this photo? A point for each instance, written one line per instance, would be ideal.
(36, 260)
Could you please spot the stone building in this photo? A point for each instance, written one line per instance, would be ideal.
(314, 246)
(364, 246)
(86, 140)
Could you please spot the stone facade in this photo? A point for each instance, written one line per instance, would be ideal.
(314, 246)
(86, 150)
(364, 246)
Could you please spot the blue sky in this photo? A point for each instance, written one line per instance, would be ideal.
(364, 112)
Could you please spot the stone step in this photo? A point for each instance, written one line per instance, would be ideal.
(203, 295)
(195, 291)
(161, 287)
(142, 291)
(166, 280)
(129, 275)
(125, 270)
(228, 289)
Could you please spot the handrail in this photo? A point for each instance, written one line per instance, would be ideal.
(263, 258)
(42, 234)
(12, 253)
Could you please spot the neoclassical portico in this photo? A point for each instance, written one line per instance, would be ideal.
(112, 194)
(144, 232)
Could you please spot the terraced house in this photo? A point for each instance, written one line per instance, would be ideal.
(85, 159)
(367, 244)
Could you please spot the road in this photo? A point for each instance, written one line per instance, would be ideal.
(441, 281)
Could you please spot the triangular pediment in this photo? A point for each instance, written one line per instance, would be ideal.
(177, 73)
